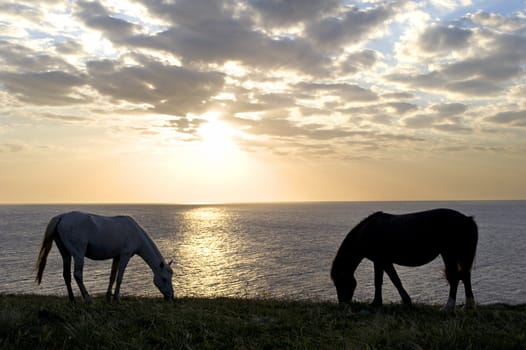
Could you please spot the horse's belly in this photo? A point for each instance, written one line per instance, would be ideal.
(415, 259)
(96, 252)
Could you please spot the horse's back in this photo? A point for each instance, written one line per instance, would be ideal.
(443, 221)
(101, 237)
(414, 239)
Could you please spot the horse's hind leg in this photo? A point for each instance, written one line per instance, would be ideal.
(113, 274)
(79, 266)
(452, 276)
(67, 276)
(470, 298)
(66, 268)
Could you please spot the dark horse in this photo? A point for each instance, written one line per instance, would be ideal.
(410, 240)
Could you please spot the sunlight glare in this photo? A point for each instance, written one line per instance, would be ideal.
(216, 136)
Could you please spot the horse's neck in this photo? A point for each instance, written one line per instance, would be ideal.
(350, 254)
(348, 262)
(150, 253)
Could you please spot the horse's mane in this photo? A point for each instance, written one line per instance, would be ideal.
(344, 252)
(356, 231)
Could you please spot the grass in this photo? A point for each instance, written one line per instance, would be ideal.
(29, 321)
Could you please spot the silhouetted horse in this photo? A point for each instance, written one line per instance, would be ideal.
(410, 240)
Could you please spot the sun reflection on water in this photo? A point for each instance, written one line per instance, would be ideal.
(206, 252)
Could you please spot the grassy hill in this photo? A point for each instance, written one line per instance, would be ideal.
(29, 321)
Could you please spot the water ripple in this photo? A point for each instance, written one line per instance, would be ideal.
(281, 250)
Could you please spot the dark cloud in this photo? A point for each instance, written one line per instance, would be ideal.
(64, 118)
(95, 16)
(397, 96)
(167, 89)
(444, 118)
(492, 68)
(420, 121)
(449, 109)
(231, 40)
(352, 26)
(438, 38)
(285, 128)
(453, 127)
(187, 126)
(402, 107)
(217, 33)
(498, 22)
(24, 59)
(47, 88)
(386, 113)
(485, 63)
(474, 87)
(359, 61)
(347, 92)
(191, 13)
(436, 80)
(284, 13)
(20, 10)
(510, 118)
(68, 47)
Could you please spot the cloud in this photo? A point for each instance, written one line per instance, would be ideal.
(439, 39)
(12, 147)
(350, 27)
(44, 88)
(219, 41)
(64, 118)
(187, 127)
(359, 61)
(446, 117)
(282, 13)
(324, 75)
(95, 16)
(347, 92)
(509, 118)
(463, 59)
(449, 109)
(494, 21)
(166, 89)
(19, 58)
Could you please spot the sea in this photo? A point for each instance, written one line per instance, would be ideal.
(278, 250)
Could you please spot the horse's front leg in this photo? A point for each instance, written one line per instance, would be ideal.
(79, 266)
(378, 281)
(391, 272)
(113, 274)
(123, 262)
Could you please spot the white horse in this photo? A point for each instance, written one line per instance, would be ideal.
(80, 235)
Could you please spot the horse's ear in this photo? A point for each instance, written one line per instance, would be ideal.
(170, 263)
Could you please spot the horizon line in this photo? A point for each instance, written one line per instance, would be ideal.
(211, 203)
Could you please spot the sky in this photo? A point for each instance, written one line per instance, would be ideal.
(204, 101)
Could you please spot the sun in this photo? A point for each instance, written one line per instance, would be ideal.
(216, 136)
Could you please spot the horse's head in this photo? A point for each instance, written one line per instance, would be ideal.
(344, 282)
(163, 280)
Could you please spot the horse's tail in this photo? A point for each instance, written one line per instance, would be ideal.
(47, 243)
(472, 232)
